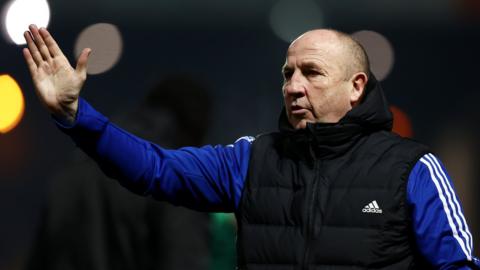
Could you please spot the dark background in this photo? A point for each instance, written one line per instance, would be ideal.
(230, 47)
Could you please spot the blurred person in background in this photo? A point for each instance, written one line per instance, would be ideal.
(90, 222)
(334, 188)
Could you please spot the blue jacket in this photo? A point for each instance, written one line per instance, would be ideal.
(211, 178)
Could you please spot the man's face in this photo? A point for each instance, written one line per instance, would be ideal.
(315, 88)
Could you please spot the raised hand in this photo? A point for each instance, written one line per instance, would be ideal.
(56, 82)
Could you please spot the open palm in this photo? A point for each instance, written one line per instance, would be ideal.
(56, 82)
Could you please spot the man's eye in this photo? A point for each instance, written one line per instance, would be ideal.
(312, 72)
(287, 75)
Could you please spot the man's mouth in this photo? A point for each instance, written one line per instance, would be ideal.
(298, 110)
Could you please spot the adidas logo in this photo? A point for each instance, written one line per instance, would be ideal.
(372, 208)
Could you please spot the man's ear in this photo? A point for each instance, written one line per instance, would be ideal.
(359, 82)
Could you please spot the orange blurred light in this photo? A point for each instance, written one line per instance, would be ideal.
(401, 123)
(12, 104)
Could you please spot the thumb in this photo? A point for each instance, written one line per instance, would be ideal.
(82, 61)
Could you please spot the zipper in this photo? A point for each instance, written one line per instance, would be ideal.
(311, 216)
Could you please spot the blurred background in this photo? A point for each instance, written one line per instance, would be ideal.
(426, 53)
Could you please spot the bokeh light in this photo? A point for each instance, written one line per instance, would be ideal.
(12, 104)
(19, 14)
(379, 50)
(401, 122)
(106, 43)
(289, 19)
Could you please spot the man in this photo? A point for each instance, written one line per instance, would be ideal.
(333, 189)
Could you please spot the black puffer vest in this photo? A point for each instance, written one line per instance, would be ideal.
(331, 196)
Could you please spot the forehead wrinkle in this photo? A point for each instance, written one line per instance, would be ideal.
(311, 54)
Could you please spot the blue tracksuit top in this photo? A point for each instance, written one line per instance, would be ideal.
(211, 178)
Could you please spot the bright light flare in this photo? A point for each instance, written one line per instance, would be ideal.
(19, 14)
(12, 104)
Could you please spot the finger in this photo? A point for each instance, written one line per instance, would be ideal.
(50, 42)
(32, 67)
(37, 57)
(40, 43)
(82, 61)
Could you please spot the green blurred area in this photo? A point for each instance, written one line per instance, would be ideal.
(223, 230)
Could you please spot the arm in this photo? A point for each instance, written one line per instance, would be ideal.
(209, 178)
(441, 232)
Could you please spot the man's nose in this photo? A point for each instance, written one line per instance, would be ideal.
(296, 85)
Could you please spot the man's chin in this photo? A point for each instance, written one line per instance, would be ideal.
(301, 124)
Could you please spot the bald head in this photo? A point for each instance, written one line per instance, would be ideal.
(325, 75)
(349, 51)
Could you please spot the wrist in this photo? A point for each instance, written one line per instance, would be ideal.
(67, 113)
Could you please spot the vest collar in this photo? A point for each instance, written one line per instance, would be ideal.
(324, 140)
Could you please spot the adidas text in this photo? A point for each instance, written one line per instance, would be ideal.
(377, 211)
(372, 208)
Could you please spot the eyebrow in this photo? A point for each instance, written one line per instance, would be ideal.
(311, 64)
(306, 64)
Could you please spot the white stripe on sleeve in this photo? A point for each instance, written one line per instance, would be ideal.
(451, 194)
(446, 208)
(249, 139)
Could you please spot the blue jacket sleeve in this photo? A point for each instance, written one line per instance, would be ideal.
(209, 178)
(441, 232)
